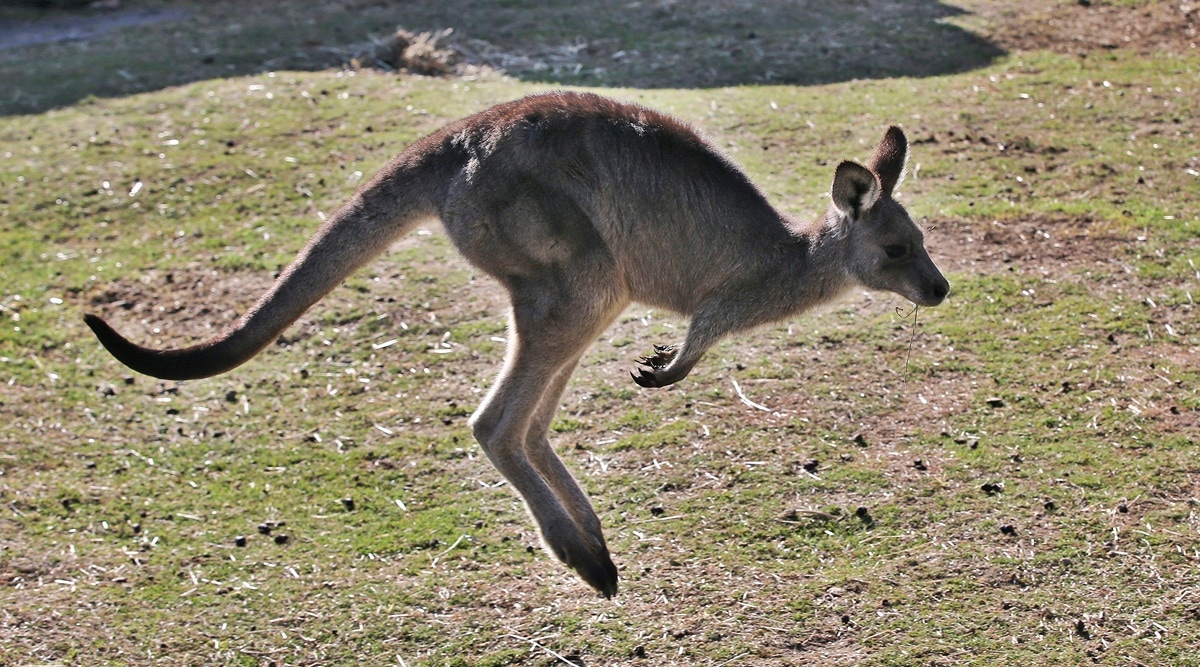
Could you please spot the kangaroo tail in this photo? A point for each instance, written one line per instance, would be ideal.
(384, 209)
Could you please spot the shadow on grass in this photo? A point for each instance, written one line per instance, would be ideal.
(51, 59)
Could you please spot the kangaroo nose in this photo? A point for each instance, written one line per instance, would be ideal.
(942, 290)
(939, 291)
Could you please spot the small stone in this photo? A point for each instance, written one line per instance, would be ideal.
(348, 503)
(239, 541)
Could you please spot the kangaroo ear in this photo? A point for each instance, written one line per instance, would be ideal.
(855, 189)
(890, 156)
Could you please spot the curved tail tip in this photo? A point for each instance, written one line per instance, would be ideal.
(112, 341)
(99, 327)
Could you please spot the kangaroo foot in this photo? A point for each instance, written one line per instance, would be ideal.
(599, 573)
(591, 562)
(650, 375)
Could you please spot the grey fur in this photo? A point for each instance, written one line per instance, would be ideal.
(579, 205)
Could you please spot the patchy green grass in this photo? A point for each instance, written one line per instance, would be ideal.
(1016, 481)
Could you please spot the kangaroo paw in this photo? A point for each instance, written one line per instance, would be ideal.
(650, 374)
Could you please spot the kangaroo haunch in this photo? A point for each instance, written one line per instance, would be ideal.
(579, 205)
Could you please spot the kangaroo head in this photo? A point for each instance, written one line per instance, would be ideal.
(884, 249)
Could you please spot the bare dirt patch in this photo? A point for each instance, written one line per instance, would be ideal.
(190, 301)
(1051, 246)
(1080, 28)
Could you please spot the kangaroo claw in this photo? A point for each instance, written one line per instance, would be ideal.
(648, 376)
(644, 377)
(663, 354)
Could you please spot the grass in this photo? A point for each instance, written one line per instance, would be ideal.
(1015, 481)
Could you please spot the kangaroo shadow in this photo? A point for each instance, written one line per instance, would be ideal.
(51, 59)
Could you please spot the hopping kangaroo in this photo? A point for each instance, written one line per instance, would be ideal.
(579, 205)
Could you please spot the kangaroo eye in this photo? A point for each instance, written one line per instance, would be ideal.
(895, 251)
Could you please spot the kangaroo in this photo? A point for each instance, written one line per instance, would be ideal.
(579, 205)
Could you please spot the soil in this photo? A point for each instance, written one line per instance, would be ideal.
(1083, 27)
(190, 301)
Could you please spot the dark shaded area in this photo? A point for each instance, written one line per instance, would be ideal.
(142, 46)
(49, 27)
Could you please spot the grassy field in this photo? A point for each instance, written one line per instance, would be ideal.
(1008, 479)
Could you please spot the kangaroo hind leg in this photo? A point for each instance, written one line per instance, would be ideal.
(547, 463)
(548, 333)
